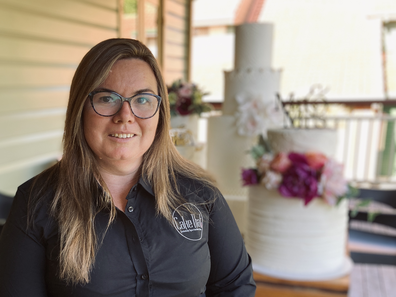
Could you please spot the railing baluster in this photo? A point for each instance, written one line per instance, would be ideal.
(380, 156)
(346, 143)
(391, 152)
(357, 148)
(369, 146)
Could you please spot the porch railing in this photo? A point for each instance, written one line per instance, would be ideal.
(366, 143)
(366, 146)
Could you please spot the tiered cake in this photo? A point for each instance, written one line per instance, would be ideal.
(253, 82)
(287, 239)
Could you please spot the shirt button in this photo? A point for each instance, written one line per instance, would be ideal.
(130, 208)
(144, 276)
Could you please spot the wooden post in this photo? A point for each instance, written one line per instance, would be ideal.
(120, 13)
(141, 32)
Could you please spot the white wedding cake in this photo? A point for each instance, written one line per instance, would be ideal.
(249, 102)
(288, 239)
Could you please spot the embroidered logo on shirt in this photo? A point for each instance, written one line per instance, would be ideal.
(188, 221)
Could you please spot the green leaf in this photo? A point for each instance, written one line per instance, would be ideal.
(352, 192)
(354, 212)
(257, 152)
(364, 202)
(172, 98)
(371, 216)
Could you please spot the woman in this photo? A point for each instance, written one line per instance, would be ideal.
(122, 214)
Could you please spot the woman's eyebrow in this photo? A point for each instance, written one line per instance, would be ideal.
(148, 90)
(144, 91)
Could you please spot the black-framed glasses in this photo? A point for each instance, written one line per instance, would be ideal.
(107, 103)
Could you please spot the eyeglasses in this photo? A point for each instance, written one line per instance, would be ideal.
(107, 103)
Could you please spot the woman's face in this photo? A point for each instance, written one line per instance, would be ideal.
(106, 135)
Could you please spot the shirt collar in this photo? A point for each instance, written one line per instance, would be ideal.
(143, 182)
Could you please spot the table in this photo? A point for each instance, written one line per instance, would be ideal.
(273, 287)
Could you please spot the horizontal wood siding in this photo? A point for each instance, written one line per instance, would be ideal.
(41, 44)
(176, 39)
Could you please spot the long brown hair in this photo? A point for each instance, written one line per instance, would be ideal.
(78, 181)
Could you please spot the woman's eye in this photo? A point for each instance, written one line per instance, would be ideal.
(106, 99)
(142, 100)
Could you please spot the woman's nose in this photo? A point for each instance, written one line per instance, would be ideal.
(125, 114)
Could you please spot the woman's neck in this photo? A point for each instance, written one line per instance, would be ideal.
(119, 186)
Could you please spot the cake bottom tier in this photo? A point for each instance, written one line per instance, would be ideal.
(286, 238)
(227, 154)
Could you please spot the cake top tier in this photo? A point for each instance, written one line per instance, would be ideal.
(303, 140)
(253, 45)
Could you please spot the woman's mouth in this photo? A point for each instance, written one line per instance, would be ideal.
(116, 135)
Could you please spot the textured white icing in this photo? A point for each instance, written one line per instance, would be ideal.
(252, 74)
(189, 122)
(227, 153)
(253, 45)
(261, 82)
(303, 140)
(285, 236)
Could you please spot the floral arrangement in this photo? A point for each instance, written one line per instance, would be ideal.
(186, 99)
(304, 176)
(181, 137)
(256, 115)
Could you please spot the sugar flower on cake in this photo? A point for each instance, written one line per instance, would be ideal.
(305, 176)
(255, 115)
(332, 182)
(186, 99)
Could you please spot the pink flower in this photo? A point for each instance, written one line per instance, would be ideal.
(315, 160)
(333, 182)
(280, 163)
(186, 90)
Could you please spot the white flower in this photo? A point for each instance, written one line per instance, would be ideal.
(254, 115)
(271, 180)
(263, 164)
(274, 114)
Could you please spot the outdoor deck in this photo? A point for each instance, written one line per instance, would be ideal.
(369, 280)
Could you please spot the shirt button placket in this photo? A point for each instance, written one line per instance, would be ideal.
(130, 208)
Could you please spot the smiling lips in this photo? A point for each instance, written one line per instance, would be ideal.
(122, 135)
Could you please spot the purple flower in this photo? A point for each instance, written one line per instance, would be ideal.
(297, 158)
(299, 180)
(183, 106)
(249, 177)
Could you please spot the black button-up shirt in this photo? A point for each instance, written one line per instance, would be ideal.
(142, 254)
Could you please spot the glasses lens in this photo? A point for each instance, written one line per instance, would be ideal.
(144, 105)
(106, 103)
